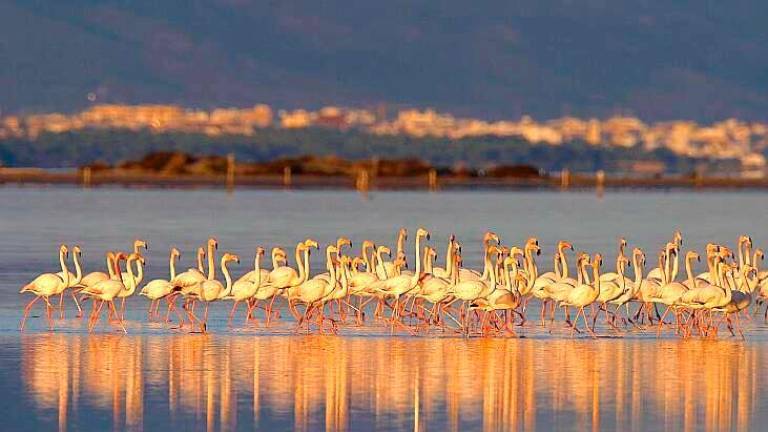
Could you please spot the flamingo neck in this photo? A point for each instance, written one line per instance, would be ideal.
(110, 265)
(227, 278)
(172, 266)
(564, 264)
(344, 280)
(487, 270)
(211, 264)
(428, 261)
(494, 276)
(305, 276)
(417, 271)
(257, 268)
(64, 270)
(364, 250)
(531, 264)
(78, 269)
(584, 273)
(747, 254)
(299, 264)
(200, 262)
(401, 243)
(449, 264)
(331, 267)
(689, 271)
(727, 288)
(638, 272)
(455, 271)
(596, 275)
(486, 265)
(117, 272)
(448, 253)
(507, 277)
(378, 263)
(741, 252)
(675, 268)
(754, 260)
(131, 286)
(139, 272)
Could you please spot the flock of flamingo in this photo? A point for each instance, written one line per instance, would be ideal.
(452, 298)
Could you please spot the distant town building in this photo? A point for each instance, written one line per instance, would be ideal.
(728, 139)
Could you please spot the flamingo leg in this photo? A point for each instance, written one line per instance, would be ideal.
(61, 305)
(149, 309)
(269, 310)
(122, 308)
(586, 324)
(27, 309)
(77, 304)
(172, 305)
(232, 313)
(119, 319)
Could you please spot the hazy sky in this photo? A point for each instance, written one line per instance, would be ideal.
(499, 58)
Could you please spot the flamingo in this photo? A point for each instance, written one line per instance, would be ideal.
(106, 291)
(245, 287)
(584, 295)
(314, 290)
(401, 284)
(74, 280)
(158, 289)
(212, 290)
(46, 285)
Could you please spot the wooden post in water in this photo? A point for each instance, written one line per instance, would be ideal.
(362, 182)
(432, 178)
(230, 171)
(86, 177)
(698, 176)
(600, 182)
(287, 177)
(565, 178)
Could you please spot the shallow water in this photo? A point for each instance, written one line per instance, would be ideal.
(249, 377)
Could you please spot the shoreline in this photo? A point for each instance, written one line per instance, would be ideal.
(32, 176)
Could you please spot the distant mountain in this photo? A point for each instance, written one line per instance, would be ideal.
(702, 60)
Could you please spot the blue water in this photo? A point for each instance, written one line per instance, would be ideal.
(249, 377)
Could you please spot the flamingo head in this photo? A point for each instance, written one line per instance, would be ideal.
(759, 253)
(230, 257)
(138, 244)
(678, 238)
(693, 255)
(343, 241)
(490, 236)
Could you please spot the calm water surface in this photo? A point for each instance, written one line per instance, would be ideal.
(251, 378)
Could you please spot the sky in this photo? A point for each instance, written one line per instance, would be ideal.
(495, 59)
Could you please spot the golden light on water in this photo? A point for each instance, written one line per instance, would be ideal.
(316, 382)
